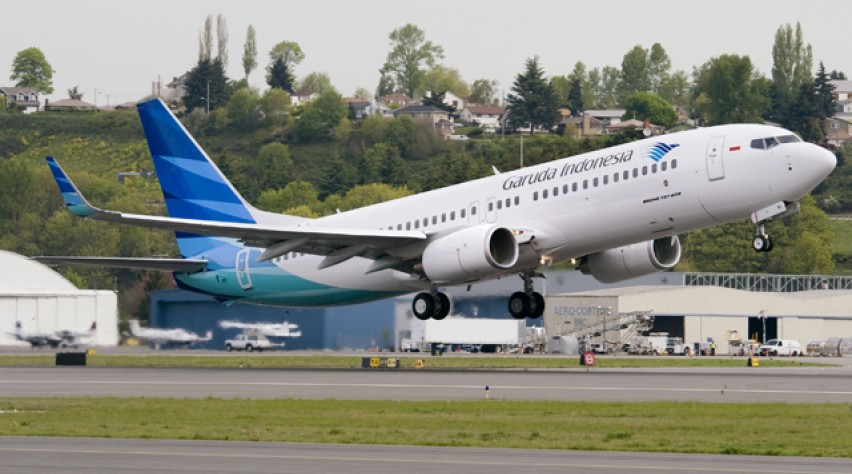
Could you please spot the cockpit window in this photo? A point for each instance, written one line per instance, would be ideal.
(767, 143)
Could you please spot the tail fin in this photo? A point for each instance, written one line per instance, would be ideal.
(134, 327)
(193, 186)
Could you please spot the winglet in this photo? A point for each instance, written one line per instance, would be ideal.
(75, 201)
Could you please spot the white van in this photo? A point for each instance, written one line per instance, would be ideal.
(781, 347)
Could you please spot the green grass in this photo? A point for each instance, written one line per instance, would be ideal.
(760, 429)
(408, 362)
(842, 236)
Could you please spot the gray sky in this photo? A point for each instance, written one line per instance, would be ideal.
(121, 47)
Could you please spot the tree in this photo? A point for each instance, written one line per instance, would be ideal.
(792, 63)
(659, 65)
(532, 100)
(586, 94)
(222, 40)
(317, 82)
(484, 92)
(634, 72)
(273, 167)
(283, 58)
(243, 108)
(676, 88)
(826, 103)
(250, 52)
(561, 86)
(575, 98)
(275, 105)
(610, 84)
(651, 107)
(321, 116)
(408, 58)
(295, 194)
(386, 85)
(206, 86)
(444, 79)
(31, 69)
(205, 40)
(362, 93)
(730, 90)
(74, 93)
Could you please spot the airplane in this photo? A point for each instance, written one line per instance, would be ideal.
(163, 337)
(284, 329)
(54, 339)
(616, 212)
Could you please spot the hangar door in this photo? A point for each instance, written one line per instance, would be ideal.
(755, 327)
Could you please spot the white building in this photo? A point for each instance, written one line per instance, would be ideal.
(43, 300)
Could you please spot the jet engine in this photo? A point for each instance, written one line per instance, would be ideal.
(614, 265)
(470, 253)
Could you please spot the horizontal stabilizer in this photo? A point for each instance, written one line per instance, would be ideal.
(156, 264)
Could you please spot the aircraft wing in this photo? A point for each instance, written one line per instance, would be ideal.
(337, 244)
(156, 264)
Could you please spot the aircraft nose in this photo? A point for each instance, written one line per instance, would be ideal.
(825, 160)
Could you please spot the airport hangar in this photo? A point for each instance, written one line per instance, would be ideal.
(43, 300)
(693, 306)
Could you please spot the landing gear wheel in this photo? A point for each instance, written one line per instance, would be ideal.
(442, 306)
(423, 306)
(519, 305)
(769, 245)
(536, 305)
(761, 243)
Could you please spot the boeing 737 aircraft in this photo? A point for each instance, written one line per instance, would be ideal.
(616, 211)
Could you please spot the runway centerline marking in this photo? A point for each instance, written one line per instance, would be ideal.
(727, 390)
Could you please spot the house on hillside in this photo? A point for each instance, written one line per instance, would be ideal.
(842, 90)
(396, 101)
(606, 117)
(69, 105)
(302, 98)
(423, 113)
(363, 107)
(838, 130)
(485, 116)
(25, 99)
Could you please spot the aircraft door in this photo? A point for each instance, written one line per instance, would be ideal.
(715, 163)
(242, 269)
(491, 210)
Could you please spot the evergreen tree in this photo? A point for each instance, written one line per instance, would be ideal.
(575, 98)
(826, 103)
(532, 100)
(279, 75)
(206, 86)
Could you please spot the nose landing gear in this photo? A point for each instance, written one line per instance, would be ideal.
(761, 242)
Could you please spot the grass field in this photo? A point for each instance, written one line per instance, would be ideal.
(408, 362)
(842, 236)
(761, 429)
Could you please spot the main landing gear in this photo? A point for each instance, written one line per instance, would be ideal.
(762, 242)
(433, 305)
(527, 303)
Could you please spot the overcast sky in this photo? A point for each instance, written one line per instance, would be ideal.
(121, 47)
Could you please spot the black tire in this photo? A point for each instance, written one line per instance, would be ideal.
(769, 245)
(228, 347)
(442, 306)
(249, 348)
(759, 243)
(519, 305)
(774, 353)
(536, 305)
(423, 306)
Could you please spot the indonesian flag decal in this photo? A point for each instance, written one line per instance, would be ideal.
(734, 148)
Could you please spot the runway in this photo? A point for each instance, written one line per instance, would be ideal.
(790, 385)
(95, 456)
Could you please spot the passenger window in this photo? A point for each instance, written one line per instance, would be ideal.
(434, 220)
(517, 200)
(535, 196)
(462, 213)
(635, 172)
(644, 170)
(444, 217)
(574, 187)
(606, 179)
(452, 215)
(556, 191)
(408, 226)
(626, 174)
(425, 221)
(416, 224)
(473, 211)
(564, 189)
(615, 177)
(544, 194)
(654, 168)
(664, 165)
(585, 184)
(508, 202)
(499, 204)
(490, 206)
(674, 163)
(595, 182)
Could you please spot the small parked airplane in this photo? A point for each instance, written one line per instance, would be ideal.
(617, 212)
(284, 329)
(162, 337)
(60, 338)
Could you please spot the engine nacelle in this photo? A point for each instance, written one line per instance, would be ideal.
(623, 263)
(470, 253)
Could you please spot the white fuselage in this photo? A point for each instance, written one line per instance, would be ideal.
(588, 203)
